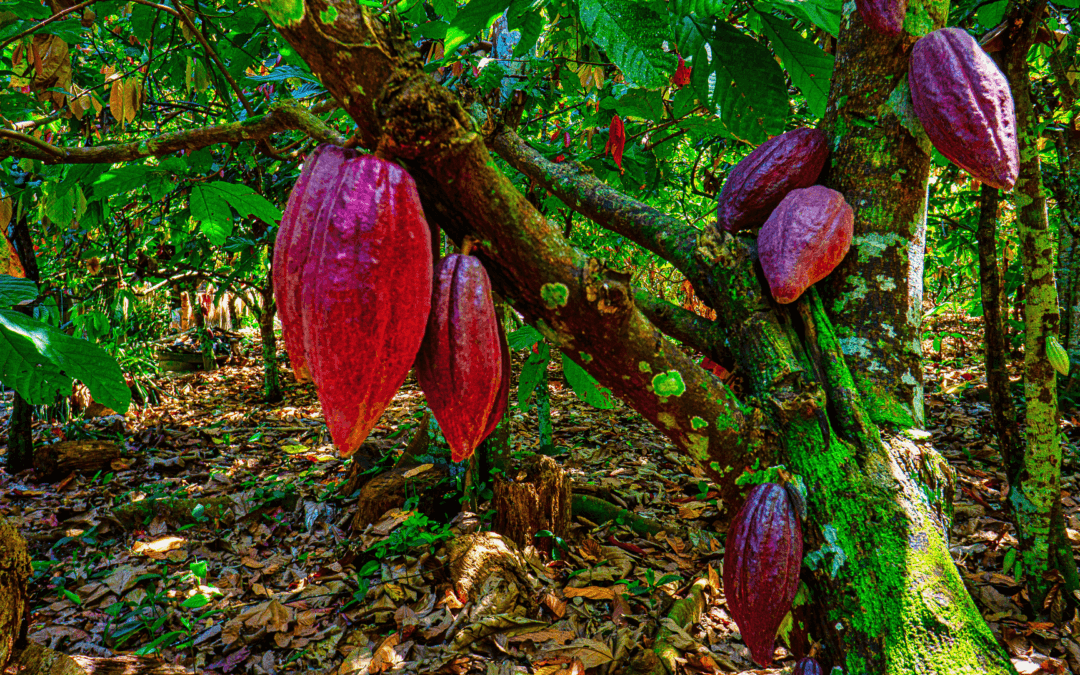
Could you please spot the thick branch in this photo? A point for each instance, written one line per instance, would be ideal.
(587, 310)
(282, 117)
(683, 325)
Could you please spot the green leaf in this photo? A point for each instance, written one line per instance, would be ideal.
(808, 65)
(14, 291)
(737, 75)
(524, 337)
(633, 36)
(824, 14)
(39, 361)
(532, 373)
(703, 9)
(477, 15)
(196, 601)
(525, 16)
(586, 386)
(991, 15)
(210, 204)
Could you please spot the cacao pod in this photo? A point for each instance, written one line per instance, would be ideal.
(807, 666)
(761, 567)
(362, 291)
(503, 396)
(460, 367)
(1059, 358)
(804, 240)
(883, 16)
(312, 190)
(779, 165)
(964, 103)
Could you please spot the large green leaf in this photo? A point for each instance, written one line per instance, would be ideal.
(14, 290)
(475, 17)
(586, 386)
(210, 204)
(38, 361)
(824, 14)
(633, 36)
(532, 373)
(808, 65)
(702, 9)
(738, 76)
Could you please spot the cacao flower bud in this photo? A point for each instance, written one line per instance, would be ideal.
(965, 105)
(761, 567)
(460, 365)
(804, 240)
(779, 165)
(807, 666)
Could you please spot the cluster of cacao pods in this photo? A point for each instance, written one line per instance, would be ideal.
(353, 281)
(762, 558)
(806, 229)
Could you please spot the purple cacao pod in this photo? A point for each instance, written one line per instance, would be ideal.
(312, 189)
(503, 395)
(761, 567)
(804, 240)
(460, 365)
(965, 105)
(883, 16)
(779, 165)
(360, 296)
(807, 666)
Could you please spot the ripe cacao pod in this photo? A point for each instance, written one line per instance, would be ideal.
(779, 165)
(761, 567)
(503, 396)
(883, 16)
(361, 293)
(1059, 358)
(312, 190)
(804, 239)
(460, 367)
(807, 666)
(964, 103)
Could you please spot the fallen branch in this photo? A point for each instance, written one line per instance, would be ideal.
(684, 613)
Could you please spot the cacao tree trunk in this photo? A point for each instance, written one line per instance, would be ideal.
(890, 600)
(997, 355)
(267, 312)
(20, 453)
(1035, 490)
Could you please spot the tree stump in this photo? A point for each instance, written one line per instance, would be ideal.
(538, 500)
(14, 572)
(61, 459)
(391, 489)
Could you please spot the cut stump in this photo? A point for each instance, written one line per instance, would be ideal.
(538, 500)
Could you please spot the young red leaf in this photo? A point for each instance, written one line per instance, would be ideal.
(616, 141)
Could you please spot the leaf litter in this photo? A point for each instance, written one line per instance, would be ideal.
(220, 540)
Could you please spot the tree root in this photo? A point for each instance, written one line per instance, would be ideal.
(684, 613)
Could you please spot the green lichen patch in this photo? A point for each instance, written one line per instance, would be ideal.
(669, 384)
(284, 13)
(668, 420)
(698, 423)
(554, 295)
(699, 446)
(644, 366)
(329, 15)
(585, 358)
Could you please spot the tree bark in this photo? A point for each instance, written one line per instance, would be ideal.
(1035, 491)
(271, 376)
(20, 452)
(997, 377)
(880, 163)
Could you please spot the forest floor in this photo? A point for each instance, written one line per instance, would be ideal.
(219, 539)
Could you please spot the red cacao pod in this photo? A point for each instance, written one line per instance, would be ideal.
(807, 666)
(883, 16)
(779, 165)
(503, 396)
(459, 366)
(804, 239)
(365, 292)
(317, 181)
(761, 567)
(965, 105)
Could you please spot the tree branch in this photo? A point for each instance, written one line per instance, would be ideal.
(704, 335)
(377, 75)
(282, 117)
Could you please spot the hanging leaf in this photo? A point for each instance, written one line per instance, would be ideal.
(133, 90)
(633, 36)
(475, 17)
(681, 78)
(586, 386)
(824, 14)
(738, 76)
(118, 101)
(210, 204)
(616, 141)
(15, 290)
(808, 65)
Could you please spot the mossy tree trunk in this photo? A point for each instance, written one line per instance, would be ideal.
(896, 604)
(1065, 186)
(997, 377)
(267, 312)
(1035, 487)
